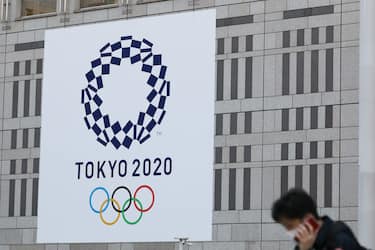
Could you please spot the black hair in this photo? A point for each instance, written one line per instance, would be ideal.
(295, 204)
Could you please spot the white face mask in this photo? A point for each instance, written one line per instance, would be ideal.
(292, 234)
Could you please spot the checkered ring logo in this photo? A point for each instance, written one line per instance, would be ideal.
(107, 129)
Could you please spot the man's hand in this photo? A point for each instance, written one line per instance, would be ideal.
(306, 236)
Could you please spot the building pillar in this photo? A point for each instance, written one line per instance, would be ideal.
(366, 210)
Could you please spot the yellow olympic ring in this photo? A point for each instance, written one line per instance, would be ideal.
(101, 212)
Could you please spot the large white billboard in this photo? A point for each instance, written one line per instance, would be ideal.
(127, 130)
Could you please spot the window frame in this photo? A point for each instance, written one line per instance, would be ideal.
(23, 17)
(116, 4)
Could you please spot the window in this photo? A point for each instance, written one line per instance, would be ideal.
(235, 44)
(234, 79)
(218, 155)
(315, 35)
(23, 198)
(35, 7)
(246, 188)
(329, 34)
(26, 96)
(249, 42)
(13, 139)
(249, 77)
(314, 118)
(314, 71)
(247, 153)
(233, 123)
(284, 151)
(300, 37)
(37, 137)
(219, 124)
(217, 205)
(39, 66)
(25, 138)
(300, 72)
(328, 185)
(148, 1)
(36, 166)
(16, 68)
(328, 149)
(232, 189)
(220, 80)
(28, 67)
(15, 100)
(305, 12)
(12, 167)
(34, 206)
(248, 119)
(298, 176)
(286, 39)
(285, 74)
(329, 70)
(284, 179)
(284, 119)
(38, 97)
(299, 119)
(299, 150)
(232, 154)
(220, 46)
(313, 150)
(11, 197)
(314, 181)
(24, 166)
(329, 116)
(93, 3)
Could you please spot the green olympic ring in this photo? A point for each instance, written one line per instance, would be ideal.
(123, 212)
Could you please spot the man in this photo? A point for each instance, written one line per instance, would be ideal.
(297, 212)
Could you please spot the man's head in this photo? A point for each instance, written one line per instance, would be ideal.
(293, 207)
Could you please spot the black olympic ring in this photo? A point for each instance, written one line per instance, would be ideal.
(113, 196)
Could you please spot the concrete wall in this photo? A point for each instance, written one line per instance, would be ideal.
(287, 105)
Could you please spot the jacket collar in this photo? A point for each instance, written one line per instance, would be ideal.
(321, 238)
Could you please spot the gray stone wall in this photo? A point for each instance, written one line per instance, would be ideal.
(286, 115)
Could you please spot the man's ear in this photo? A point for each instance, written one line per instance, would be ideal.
(308, 215)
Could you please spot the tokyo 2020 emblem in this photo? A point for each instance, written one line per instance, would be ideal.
(109, 130)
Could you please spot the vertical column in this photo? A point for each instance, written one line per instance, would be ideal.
(366, 210)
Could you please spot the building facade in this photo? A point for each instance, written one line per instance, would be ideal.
(286, 111)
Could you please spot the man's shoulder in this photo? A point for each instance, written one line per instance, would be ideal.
(346, 241)
(339, 228)
(341, 236)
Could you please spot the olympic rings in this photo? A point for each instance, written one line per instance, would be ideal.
(93, 191)
(113, 195)
(135, 202)
(101, 212)
(152, 202)
(120, 210)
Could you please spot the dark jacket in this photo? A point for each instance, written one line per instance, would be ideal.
(335, 235)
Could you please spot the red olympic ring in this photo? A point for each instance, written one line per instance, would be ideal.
(153, 198)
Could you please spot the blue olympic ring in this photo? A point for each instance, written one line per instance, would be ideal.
(90, 201)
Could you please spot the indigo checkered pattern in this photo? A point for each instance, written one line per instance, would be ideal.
(108, 130)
